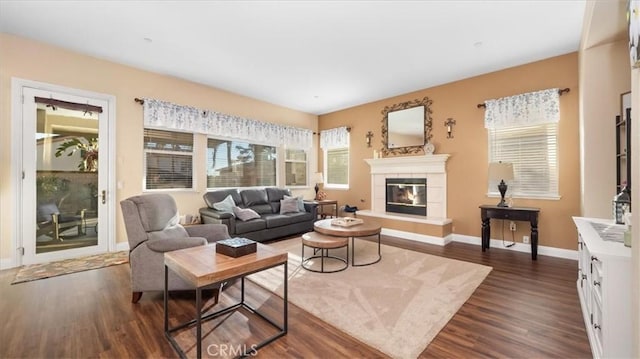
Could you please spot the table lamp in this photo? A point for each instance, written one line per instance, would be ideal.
(318, 179)
(501, 171)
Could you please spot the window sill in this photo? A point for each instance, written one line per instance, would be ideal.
(336, 187)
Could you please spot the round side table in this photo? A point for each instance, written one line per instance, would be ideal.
(322, 243)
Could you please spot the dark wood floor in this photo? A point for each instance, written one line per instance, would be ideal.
(523, 309)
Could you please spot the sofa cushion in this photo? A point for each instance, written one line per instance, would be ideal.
(278, 220)
(250, 226)
(262, 209)
(252, 197)
(216, 196)
(300, 202)
(226, 205)
(245, 214)
(276, 194)
(289, 206)
(300, 217)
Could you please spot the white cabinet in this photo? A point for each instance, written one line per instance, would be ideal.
(604, 287)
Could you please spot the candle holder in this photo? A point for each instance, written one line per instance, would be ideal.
(449, 125)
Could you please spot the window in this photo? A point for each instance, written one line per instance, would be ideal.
(533, 152)
(335, 146)
(295, 163)
(233, 163)
(336, 167)
(168, 159)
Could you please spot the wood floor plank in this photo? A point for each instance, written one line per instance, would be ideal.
(522, 309)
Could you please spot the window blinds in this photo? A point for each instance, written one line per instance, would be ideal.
(533, 152)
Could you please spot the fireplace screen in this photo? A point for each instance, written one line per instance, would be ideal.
(407, 195)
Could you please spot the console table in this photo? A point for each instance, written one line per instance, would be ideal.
(512, 214)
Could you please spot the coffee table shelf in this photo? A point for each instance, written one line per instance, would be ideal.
(202, 266)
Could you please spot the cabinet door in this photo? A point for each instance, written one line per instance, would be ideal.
(622, 159)
(596, 326)
(585, 259)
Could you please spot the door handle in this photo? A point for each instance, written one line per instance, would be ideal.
(104, 196)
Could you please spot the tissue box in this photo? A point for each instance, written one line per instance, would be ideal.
(236, 247)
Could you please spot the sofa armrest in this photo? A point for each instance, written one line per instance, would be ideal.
(311, 207)
(212, 216)
(167, 245)
(212, 232)
(214, 213)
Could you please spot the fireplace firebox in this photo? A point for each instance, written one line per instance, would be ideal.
(407, 195)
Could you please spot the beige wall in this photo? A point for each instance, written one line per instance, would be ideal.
(467, 166)
(26, 59)
(605, 74)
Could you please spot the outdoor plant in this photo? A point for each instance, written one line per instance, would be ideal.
(88, 150)
(50, 188)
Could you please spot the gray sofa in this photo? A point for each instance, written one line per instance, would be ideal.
(266, 202)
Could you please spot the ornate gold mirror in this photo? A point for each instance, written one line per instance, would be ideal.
(406, 127)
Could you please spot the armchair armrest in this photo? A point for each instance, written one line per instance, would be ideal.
(212, 232)
(167, 245)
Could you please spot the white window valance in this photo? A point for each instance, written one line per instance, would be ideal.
(334, 138)
(533, 108)
(163, 114)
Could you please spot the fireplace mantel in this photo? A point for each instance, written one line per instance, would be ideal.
(409, 164)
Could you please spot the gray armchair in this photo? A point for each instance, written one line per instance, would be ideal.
(151, 222)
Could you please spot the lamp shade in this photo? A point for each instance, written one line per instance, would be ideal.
(318, 178)
(500, 171)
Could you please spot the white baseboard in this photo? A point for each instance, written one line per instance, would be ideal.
(519, 247)
(495, 243)
(417, 237)
(122, 246)
(7, 263)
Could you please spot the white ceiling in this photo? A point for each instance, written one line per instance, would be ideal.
(312, 56)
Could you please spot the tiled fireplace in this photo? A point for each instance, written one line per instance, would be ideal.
(430, 226)
(429, 167)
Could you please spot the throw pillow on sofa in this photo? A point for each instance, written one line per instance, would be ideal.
(226, 205)
(300, 202)
(245, 214)
(288, 206)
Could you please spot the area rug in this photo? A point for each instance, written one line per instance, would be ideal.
(397, 305)
(67, 266)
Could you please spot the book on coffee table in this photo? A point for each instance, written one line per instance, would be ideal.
(346, 221)
(236, 247)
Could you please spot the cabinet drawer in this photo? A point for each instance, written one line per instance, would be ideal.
(499, 215)
(513, 215)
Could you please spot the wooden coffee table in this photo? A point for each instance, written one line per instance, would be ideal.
(202, 266)
(366, 229)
